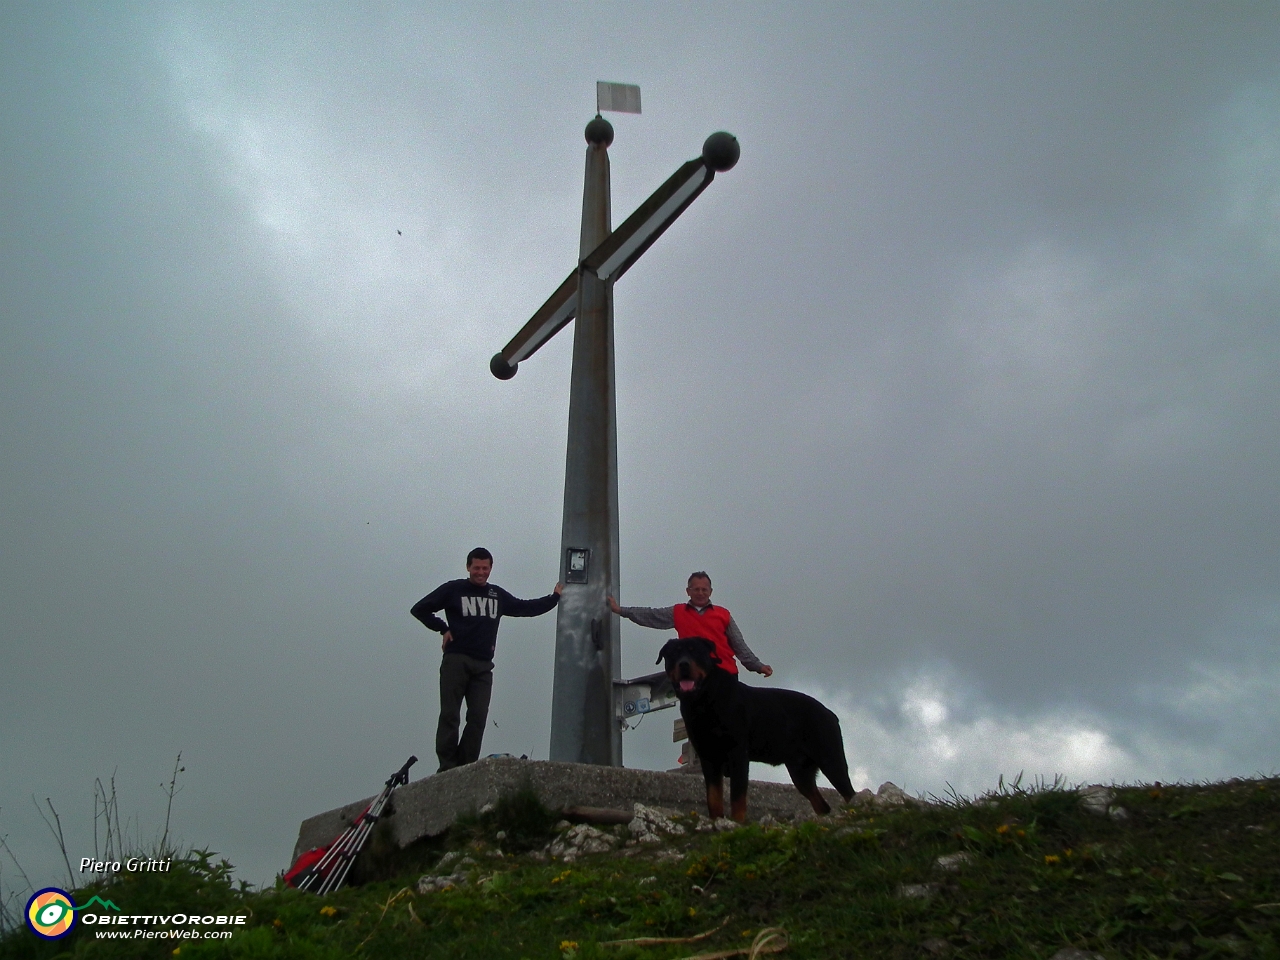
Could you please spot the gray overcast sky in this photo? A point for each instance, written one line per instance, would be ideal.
(962, 384)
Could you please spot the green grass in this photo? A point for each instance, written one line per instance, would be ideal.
(1181, 876)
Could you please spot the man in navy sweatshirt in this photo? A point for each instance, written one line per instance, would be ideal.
(473, 608)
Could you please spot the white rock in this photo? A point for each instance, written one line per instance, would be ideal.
(430, 884)
(653, 820)
(917, 891)
(724, 823)
(1095, 799)
(487, 808)
(581, 839)
(891, 795)
(952, 862)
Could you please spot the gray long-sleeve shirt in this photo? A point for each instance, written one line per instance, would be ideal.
(664, 618)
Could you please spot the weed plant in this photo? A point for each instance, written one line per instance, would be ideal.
(1190, 870)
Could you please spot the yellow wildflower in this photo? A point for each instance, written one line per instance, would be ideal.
(328, 911)
(1003, 828)
(1052, 858)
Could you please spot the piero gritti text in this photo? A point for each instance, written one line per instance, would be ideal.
(132, 865)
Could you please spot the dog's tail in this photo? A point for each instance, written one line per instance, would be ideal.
(835, 766)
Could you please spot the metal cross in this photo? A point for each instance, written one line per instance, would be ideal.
(585, 726)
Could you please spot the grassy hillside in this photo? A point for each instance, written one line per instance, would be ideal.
(1162, 871)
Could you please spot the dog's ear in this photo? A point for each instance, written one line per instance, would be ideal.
(662, 654)
(710, 649)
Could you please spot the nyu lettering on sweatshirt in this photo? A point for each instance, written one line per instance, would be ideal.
(473, 612)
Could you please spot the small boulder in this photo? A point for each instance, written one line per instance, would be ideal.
(952, 862)
(891, 795)
(447, 860)
(430, 883)
(581, 839)
(653, 821)
(917, 891)
(1096, 799)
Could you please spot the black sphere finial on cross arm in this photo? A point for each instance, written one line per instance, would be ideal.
(721, 151)
(501, 369)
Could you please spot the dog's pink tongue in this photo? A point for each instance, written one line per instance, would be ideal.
(686, 686)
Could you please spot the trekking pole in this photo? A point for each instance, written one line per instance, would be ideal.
(348, 844)
(350, 849)
(365, 826)
(330, 868)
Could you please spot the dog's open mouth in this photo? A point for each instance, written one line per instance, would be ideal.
(686, 686)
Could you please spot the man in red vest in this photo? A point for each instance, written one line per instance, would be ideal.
(699, 618)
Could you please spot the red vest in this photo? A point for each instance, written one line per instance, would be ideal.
(712, 624)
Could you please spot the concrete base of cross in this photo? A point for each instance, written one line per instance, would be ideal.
(427, 807)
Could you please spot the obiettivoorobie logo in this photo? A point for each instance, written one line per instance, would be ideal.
(51, 913)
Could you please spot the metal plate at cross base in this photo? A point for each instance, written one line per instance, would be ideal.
(632, 699)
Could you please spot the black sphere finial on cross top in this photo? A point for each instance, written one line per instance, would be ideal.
(599, 131)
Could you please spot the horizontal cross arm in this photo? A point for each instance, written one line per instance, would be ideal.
(549, 319)
(637, 233)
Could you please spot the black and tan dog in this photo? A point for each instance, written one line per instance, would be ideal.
(731, 724)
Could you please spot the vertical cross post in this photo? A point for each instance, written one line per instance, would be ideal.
(588, 642)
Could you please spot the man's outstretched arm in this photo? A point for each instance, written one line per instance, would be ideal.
(659, 618)
(515, 607)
